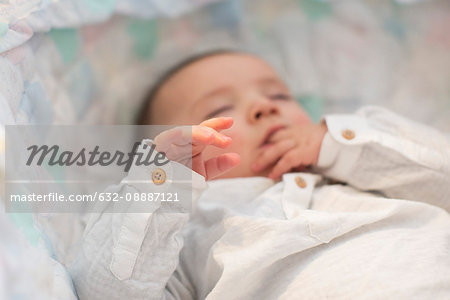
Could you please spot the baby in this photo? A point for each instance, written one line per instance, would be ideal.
(240, 104)
(270, 225)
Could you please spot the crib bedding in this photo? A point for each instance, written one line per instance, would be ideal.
(57, 65)
(28, 271)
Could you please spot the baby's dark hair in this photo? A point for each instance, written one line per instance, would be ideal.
(143, 114)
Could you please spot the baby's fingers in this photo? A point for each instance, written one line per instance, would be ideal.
(290, 160)
(272, 154)
(202, 136)
(190, 136)
(220, 164)
(178, 135)
(218, 124)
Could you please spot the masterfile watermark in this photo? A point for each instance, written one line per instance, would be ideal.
(55, 169)
(91, 158)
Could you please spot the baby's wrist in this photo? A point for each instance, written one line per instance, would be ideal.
(323, 129)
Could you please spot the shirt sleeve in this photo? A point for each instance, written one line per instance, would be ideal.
(378, 150)
(131, 254)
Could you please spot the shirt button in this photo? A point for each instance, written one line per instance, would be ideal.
(348, 134)
(300, 181)
(158, 176)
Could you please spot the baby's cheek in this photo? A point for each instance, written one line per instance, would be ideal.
(300, 117)
(238, 139)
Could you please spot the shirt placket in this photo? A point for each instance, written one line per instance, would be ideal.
(297, 192)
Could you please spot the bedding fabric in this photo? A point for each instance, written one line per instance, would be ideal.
(71, 62)
(28, 272)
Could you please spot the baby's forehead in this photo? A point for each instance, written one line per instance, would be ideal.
(228, 62)
(220, 69)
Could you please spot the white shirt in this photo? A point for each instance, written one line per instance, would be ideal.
(385, 234)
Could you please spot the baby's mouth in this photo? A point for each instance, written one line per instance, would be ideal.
(269, 133)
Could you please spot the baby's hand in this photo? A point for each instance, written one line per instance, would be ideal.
(292, 148)
(185, 145)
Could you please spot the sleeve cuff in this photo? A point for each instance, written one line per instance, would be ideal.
(349, 129)
(342, 145)
(155, 178)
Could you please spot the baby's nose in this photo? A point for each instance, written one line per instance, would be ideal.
(263, 109)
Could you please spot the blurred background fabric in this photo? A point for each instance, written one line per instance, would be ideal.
(71, 62)
(28, 269)
(92, 61)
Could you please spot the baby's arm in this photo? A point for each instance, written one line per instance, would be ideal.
(377, 150)
(132, 254)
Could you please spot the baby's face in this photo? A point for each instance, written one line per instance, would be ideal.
(233, 85)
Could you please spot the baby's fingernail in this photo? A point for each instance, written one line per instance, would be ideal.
(209, 136)
(225, 138)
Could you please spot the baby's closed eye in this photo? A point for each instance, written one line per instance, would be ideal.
(280, 96)
(216, 112)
